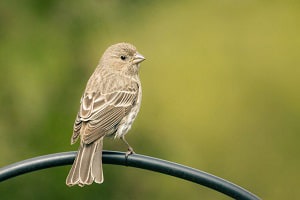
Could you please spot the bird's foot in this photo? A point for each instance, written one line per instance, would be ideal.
(129, 152)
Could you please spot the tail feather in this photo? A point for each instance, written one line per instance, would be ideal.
(87, 166)
(97, 173)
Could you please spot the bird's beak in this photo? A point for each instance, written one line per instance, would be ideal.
(138, 58)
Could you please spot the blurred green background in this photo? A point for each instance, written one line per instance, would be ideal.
(220, 92)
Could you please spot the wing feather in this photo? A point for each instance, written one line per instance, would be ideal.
(76, 129)
(102, 113)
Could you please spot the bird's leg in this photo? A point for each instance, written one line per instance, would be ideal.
(130, 149)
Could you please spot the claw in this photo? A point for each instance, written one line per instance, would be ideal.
(129, 152)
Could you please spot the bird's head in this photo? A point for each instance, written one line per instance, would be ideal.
(122, 57)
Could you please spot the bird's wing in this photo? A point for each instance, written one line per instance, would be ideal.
(100, 114)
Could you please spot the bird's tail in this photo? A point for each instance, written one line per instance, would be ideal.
(87, 166)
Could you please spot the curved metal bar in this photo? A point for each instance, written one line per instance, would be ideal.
(134, 160)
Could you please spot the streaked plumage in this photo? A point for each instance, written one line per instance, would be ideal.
(108, 107)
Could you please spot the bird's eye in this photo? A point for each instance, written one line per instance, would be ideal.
(123, 57)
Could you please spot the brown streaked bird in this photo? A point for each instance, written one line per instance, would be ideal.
(108, 107)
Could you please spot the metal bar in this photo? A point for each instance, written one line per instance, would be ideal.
(134, 160)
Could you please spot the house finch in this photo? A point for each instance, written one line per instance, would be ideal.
(108, 107)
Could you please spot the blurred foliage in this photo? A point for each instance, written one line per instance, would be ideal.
(220, 92)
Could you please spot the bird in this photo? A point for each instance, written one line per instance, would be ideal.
(108, 107)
